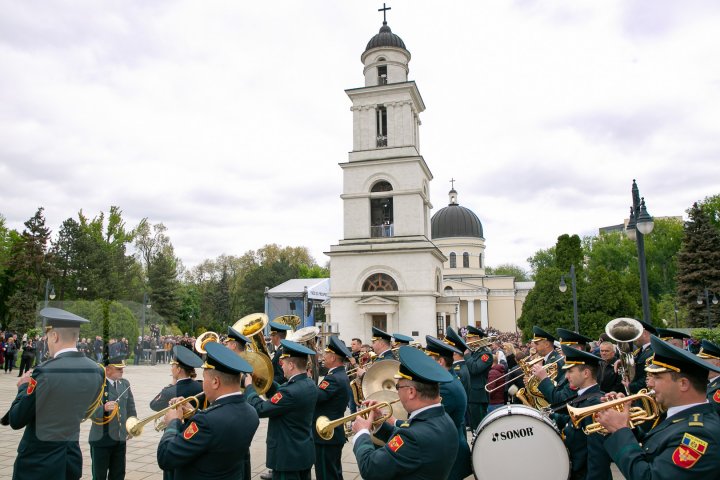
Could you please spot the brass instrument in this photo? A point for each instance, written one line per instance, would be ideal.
(526, 367)
(649, 410)
(625, 331)
(135, 427)
(292, 321)
(379, 377)
(326, 427)
(306, 336)
(257, 355)
(531, 395)
(204, 339)
(480, 343)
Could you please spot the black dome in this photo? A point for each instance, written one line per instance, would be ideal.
(385, 38)
(456, 221)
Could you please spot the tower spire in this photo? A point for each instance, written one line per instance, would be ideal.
(384, 10)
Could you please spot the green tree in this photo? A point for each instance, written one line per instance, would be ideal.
(698, 264)
(568, 251)
(545, 306)
(123, 323)
(163, 283)
(542, 259)
(7, 238)
(711, 206)
(313, 271)
(509, 269)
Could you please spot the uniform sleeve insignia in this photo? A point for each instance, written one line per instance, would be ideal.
(694, 443)
(716, 396)
(276, 398)
(405, 424)
(485, 357)
(191, 430)
(324, 384)
(684, 457)
(395, 443)
(31, 386)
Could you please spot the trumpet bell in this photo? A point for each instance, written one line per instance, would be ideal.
(624, 329)
(250, 325)
(291, 321)
(304, 335)
(133, 426)
(262, 370)
(380, 376)
(204, 339)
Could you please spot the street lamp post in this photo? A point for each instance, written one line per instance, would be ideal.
(49, 294)
(563, 288)
(639, 225)
(144, 306)
(707, 303)
(675, 308)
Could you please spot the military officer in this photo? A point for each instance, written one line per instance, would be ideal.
(561, 390)
(674, 337)
(478, 365)
(686, 444)
(236, 341)
(711, 353)
(589, 460)
(290, 445)
(108, 435)
(207, 446)
(182, 369)
(459, 367)
(454, 401)
(401, 340)
(420, 447)
(278, 332)
(642, 356)
(333, 396)
(51, 402)
(382, 344)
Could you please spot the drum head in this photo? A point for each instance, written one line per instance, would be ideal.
(518, 442)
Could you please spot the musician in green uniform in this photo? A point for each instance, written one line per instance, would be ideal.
(686, 444)
(207, 446)
(420, 448)
(51, 402)
(382, 344)
(674, 337)
(560, 390)
(108, 436)
(478, 364)
(642, 355)
(333, 396)
(589, 460)
(401, 340)
(454, 401)
(278, 332)
(710, 352)
(236, 341)
(182, 369)
(459, 367)
(290, 445)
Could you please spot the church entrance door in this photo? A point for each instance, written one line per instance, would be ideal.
(380, 321)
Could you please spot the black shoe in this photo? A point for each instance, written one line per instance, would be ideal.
(266, 476)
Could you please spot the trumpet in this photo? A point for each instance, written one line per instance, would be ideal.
(648, 411)
(326, 427)
(135, 427)
(475, 345)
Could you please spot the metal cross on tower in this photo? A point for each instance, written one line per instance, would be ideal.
(384, 10)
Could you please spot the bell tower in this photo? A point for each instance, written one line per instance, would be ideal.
(385, 271)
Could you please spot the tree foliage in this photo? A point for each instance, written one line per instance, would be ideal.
(510, 270)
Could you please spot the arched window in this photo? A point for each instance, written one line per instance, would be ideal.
(381, 211)
(379, 282)
(448, 288)
(381, 186)
(466, 260)
(453, 260)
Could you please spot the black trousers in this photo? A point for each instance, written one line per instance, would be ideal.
(477, 413)
(25, 364)
(9, 361)
(301, 475)
(108, 463)
(328, 461)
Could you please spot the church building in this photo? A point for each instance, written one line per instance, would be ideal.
(396, 267)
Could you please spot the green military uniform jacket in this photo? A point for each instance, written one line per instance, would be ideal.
(556, 357)
(332, 401)
(290, 444)
(588, 457)
(460, 370)
(62, 391)
(454, 401)
(713, 393)
(278, 375)
(556, 394)
(113, 431)
(184, 387)
(478, 365)
(686, 445)
(419, 449)
(215, 443)
(386, 355)
(637, 383)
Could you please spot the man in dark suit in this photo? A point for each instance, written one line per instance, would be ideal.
(207, 447)
(108, 436)
(420, 448)
(686, 444)
(182, 369)
(278, 332)
(332, 399)
(290, 445)
(608, 379)
(710, 352)
(589, 460)
(478, 364)
(52, 401)
(454, 401)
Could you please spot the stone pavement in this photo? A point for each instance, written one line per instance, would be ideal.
(146, 382)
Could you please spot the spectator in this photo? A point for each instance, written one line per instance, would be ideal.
(98, 349)
(497, 397)
(138, 351)
(10, 351)
(608, 379)
(28, 356)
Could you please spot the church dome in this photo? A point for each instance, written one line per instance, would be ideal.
(455, 221)
(385, 38)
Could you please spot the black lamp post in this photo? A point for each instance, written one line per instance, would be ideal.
(563, 288)
(675, 308)
(144, 306)
(49, 294)
(707, 302)
(640, 224)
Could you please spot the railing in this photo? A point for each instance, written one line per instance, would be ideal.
(382, 80)
(381, 141)
(381, 231)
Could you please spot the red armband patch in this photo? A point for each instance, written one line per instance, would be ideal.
(324, 384)
(716, 396)
(31, 386)
(685, 457)
(276, 398)
(395, 443)
(191, 430)
(485, 357)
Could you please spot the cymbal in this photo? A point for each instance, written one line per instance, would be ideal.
(380, 376)
(388, 396)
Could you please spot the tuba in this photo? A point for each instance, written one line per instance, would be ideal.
(625, 331)
(204, 339)
(306, 336)
(253, 327)
(531, 395)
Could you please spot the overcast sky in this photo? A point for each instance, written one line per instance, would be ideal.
(226, 120)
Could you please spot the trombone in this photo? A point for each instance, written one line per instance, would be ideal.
(648, 411)
(135, 427)
(475, 345)
(524, 370)
(326, 428)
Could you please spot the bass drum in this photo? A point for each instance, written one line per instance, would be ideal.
(516, 441)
